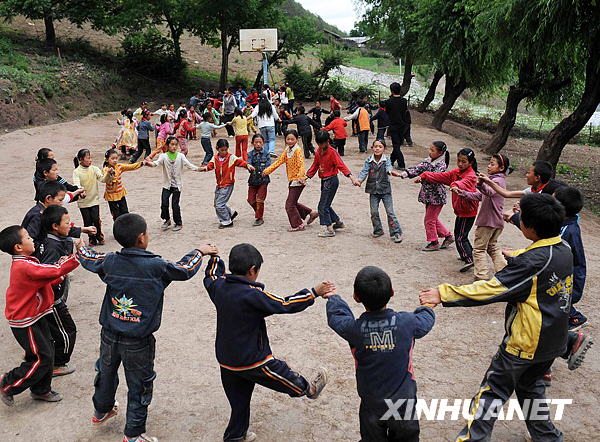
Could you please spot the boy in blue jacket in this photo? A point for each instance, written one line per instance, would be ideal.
(131, 312)
(242, 344)
(381, 341)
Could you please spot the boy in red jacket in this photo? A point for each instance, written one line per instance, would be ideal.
(29, 298)
(338, 126)
(224, 164)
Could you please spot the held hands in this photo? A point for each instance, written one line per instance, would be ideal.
(203, 169)
(396, 174)
(483, 178)
(456, 190)
(325, 289)
(355, 182)
(508, 253)
(90, 230)
(208, 249)
(302, 181)
(418, 179)
(250, 168)
(430, 297)
(79, 244)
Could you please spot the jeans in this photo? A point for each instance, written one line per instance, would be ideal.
(208, 150)
(164, 205)
(339, 144)
(329, 187)
(91, 217)
(137, 355)
(268, 133)
(434, 228)
(118, 208)
(462, 227)
(388, 204)
(397, 135)
(143, 146)
(296, 211)
(363, 140)
(256, 198)
(224, 212)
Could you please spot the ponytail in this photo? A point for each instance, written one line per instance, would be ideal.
(470, 157)
(42, 154)
(442, 148)
(80, 156)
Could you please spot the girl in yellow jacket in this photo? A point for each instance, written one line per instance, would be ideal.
(115, 191)
(293, 157)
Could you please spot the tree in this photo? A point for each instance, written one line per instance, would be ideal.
(330, 57)
(430, 95)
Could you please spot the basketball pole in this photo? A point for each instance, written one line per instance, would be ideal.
(265, 64)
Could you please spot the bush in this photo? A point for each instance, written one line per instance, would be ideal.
(366, 91)
(240, 80)
(151, 54)
(335, 87)
(302, 82)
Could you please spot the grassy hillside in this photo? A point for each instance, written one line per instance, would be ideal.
(295, 9)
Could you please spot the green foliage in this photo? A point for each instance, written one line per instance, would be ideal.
(335, 87)
(292, 8)
(366, 92)
(303, 83)
(151, 54)
(240, 80)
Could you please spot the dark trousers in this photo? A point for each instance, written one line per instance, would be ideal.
(462, 227)
(208, 150)
(381, 133)
(397, 135)
(307, 144)
(238, 386)
(63, 332)
(339, 144)
(373, 429)
(91, 217)
(508, 374)
(407, 136)
(35, 372)
(226, 119)
(137, 355)
(256, 198)
(329, 187)
(164, 205)
(118, 208)
(296, 211)
(143, 147)
(363, 140)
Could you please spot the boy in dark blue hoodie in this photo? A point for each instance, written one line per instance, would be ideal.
(242, 344)
(381, 341)
(131, 312)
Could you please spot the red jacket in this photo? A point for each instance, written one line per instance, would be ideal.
(334, 105)
(328, 164)
(252, 99)
(465, 180)
(225, 170)
(338, 126)
(29, 295)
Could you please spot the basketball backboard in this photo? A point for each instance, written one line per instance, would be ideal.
(253, 40)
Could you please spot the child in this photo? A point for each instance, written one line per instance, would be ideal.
(433, 195)
(303, 122)
(328, 163)
(338, 126)
(172, 163)
(240, 128)
(536, 285)
(464, 178)
(194, 118)
(224, 165)
(383, 372)
(248, 114)
(296, 174)
(316, 113)
(376, 169)
(183, 127)
(165, 129)
(182, 107)
(260, 159)
(134, 277)
(383, 120)
(206, 129)
(47, 170)
(56, 222)
(127, 139)
(29, 299)
(144, 129)
(115, 191)
(361, 115)
(243, 351)
(489, 221)
(87, 176)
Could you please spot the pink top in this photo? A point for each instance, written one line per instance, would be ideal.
(166, 129)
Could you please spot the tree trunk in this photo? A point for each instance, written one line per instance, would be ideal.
(224, 62)
(50, 32)
(430, 95)
(507, 121)
(570, 126)
(408, 76)
(454, 87)
(175, 36)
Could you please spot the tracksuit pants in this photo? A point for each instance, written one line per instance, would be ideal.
(329, 187)
(63, 332)
(363, 140)
(434, 228)
(508, 374)
(462, 227)
(35, 372)
(137, 356)
(256, 198)
(381, 133)
(296, 211)
(223, 211)
(373, 429)
(397, 136)
(307, 144)
(118, 208)
(239, 385)
(91, 217)
(175, 195)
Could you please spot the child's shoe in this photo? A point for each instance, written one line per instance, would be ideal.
(258, 222)
(317, 384)
(447, 242)
(398, 238)
(226, 226)
(166, 225)
(432, 246)
(100, 418)
(326, 234)
(250, 437)
(377, 234)
(300, 228)
(51, 396)
(177, 227)
(578, 350)
(62, 370)
(467, 266)
(338, 225)
(101, 242)
(313, 216)
(4, 397)
(576, 321)
(141, 438)
(234, 215)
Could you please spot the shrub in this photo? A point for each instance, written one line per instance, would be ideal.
(151, 54)
(240, 80)
(366, 91)
(302, 82)
(335, 87)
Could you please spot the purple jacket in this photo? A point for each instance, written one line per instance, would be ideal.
(430, 193)
(492, 203)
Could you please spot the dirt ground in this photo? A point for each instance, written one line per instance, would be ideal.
(189, 403)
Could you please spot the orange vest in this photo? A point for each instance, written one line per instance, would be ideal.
(363, 119)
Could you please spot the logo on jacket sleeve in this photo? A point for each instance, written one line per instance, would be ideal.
(564, 289)
(123, 309)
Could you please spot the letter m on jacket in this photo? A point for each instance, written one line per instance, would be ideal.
(382, 341)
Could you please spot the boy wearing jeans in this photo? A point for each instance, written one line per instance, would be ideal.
(131, 312)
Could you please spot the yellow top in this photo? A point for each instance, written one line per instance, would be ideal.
(115, 190)
(294, 163)
(240, 125)
(88, 177)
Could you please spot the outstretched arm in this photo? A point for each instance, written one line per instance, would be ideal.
(187, 266)
(339, 316)
(499, 189)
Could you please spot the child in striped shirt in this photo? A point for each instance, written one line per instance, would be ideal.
(115, 192)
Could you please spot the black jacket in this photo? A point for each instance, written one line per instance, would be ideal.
(396, 108)
(50, 251)
(316, 114)
(383, 119)
(303, 122)
(38, 180)
(33, 224)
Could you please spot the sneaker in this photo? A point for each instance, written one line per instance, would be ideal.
(447, 242)
(62, 370)
(250, 437)
(272, 155)
(576, 321)
(338, 225)
(166, 225)
(101, 242)
(326, 234)
(141, 438)
(100, 418)
(467, 267)
(577, 354)
(233, 215)
(318, 383)
(398, 238)
(300, 228)
(432, 247)
(377, 234)
(547, 379)
(258, 222)
(225, 226)
(5, 397)
(51, 396)
(177, 227)
(313, 216)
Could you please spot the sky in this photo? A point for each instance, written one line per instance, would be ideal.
(340, 13)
